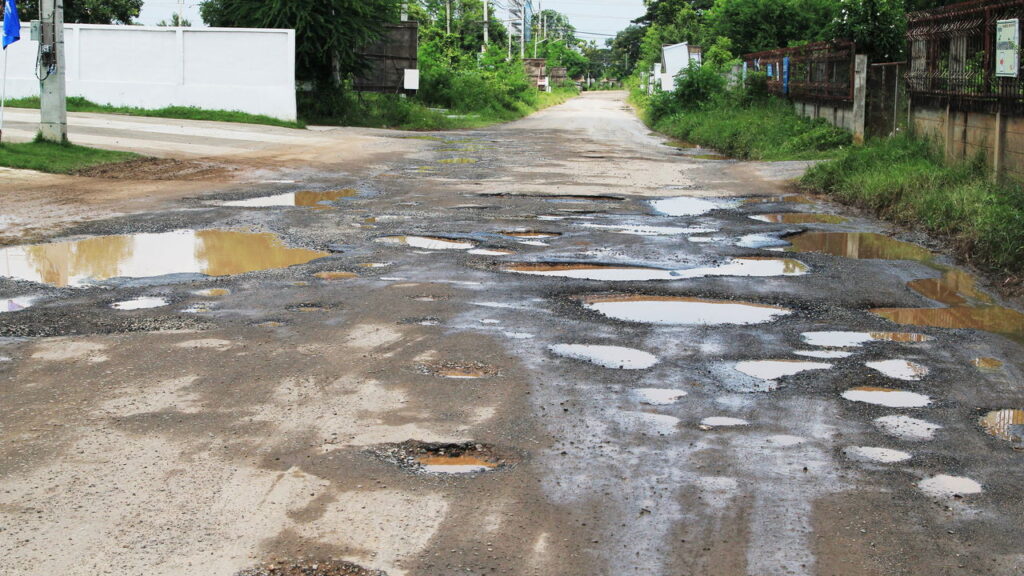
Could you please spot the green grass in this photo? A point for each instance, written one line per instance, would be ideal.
(79, 104)
(57, 158)
(905, 180)
(763, 130)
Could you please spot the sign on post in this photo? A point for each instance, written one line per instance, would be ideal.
(1008, 48)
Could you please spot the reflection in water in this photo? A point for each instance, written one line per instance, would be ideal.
(987, 364)
(464, 464)
(670, 310)
(1005, 424)
(306, 198)
(887, 397)
(615, 357)
(428, 242)
(746, 267)
(799, 218)
(15, 304)
(795, 198)
(209, 252)
(860, 245)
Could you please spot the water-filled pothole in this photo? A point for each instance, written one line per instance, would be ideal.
(747, 267)
(858, 245)
(856, 339)
(641, 230)
(794, 198)
(305, 198)
(530, 234)
(16, 304)
(887, 397)
(690, 206)
(428, 242)
(427, 457)
(461, 370)
(875, 454)
(1004, 424)
(799, 218)
(310, 568)
(987, 364)
(617, 357)
(675, 310)
(212, 292)
(336, 275)
(207, 252)
(907, 428)
(946, 486)
(775, 369)
(900, 369)
(140, 303)
(658, 396)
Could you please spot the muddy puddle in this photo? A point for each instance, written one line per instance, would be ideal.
(206, 252)
(856, 339)
(640, 230)
(1004, 424)
(309, 568)
(900, 369)
(466, 458)
(461, 370)
(680, 311)
(616, 357)
(775, 369)
(858, 245)
(428, 242)
(212, 292)
(336, 275)
(887, 397)
(983, 364)
(304, 198)
(968, 307)
(141, 303)
(689, 206)
(741, 267)
(15, 304)
(799, 218)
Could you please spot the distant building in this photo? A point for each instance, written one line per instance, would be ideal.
(675, 59)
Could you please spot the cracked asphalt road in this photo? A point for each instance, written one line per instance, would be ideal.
(251, 415)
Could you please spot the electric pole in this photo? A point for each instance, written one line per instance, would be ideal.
(522, 37)
(487, 23)
(53, 122)
(536, 33)
(448, 15)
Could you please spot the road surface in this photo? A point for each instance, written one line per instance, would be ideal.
(554, 347)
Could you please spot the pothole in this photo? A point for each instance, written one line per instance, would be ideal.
(458, 161)
(739, 267)
(875, 454)
(723, 422)
(899, 369)
(775, 369)
(530, 234)
(305, 198)
(1004, 424)
(141, 303)
(491, 252)
(206, 252)
(983, 364)
(799, 218)
(690, 206)
(461, 370)
(887, 397)
(858, 245)
(857, 339)
(823, 354)
(794, 198)
(674, 310)
(639, 230)
(428, 242)
(907, 428)
(945, 486)
(336, 275)
(658, 396)
(616, 357)
(212, 292)
(16, 304)
(434, 458)
(310, 568)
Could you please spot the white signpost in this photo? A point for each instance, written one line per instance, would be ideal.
(1008, 48)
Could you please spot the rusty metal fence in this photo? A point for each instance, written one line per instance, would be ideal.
(389, 58)
(953, 56)
(821, 72)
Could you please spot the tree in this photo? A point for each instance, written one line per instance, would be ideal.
(555, 25)
(176, 21)
(625, 49)
(329, 34)
(755, 25)
(89, 11)
(878, 27)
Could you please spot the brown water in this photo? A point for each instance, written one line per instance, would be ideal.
(987, 364)
(336, 275)
(1004, 424)
(464, 464)
(305, 198)
(800, 218)
(209, 252)
(859, 245)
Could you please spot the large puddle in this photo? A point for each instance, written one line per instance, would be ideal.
(680, 311)
(946, 486)
(799, 218)
(617, 357)
(689, 206)
(428, 242)
(900, 369)
(304, 198)
(859, 245)
(775, 369)
(1004, 424)
(746, 267)
(855, 339)
(207, 252)
(640, 230)
(968, 307)
(887, 397)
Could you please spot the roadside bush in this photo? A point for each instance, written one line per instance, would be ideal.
(699, 86)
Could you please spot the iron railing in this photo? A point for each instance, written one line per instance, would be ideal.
(814, 72)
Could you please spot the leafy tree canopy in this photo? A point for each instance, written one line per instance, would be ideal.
(88, 11)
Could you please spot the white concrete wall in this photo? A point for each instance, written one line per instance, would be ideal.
(249, 70)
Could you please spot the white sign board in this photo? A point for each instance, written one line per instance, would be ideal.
(412, 79)
(1008, 48)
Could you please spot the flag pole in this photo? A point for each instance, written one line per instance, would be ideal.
(3, 96)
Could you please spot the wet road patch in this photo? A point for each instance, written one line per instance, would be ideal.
(141, 303)
(690, 206)
(681, 311)
(858, 245)
(1004, 424)
(907, 428)
(723, 422)
(616, 357)
(428, 242)
(857, 339)
(212, 292)
(206, 252)
(740, 267)
(310, 568)
(336, 275)
(875, 454)
(799, 218)
(987, 364)
(900, 369)
(945, 486)
(658, 396)
(304, 198)
(775, 369)
(887, 397)
(434, 458)
(461, 370)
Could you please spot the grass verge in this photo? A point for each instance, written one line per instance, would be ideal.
(907, 181)
(57, 158)
(79, 104)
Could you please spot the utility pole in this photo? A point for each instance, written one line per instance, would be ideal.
(537, 33)
(53, 124)
(487, 23)
(448, 15)
(522, 37)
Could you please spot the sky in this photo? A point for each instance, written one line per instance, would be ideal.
(601, 18)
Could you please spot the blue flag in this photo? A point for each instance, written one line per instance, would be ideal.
(12, 25)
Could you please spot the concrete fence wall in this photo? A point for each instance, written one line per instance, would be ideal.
(998, 138)
(249, 70)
